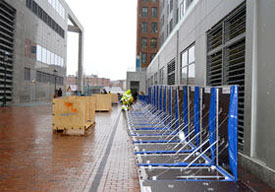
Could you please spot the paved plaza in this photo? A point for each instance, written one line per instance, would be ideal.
(34, 159)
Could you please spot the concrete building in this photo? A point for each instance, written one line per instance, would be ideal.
(34, 36)
(221, 42)
(147, 32)
(136, 81)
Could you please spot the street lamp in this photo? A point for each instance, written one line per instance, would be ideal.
(54, 72)
(5, 55)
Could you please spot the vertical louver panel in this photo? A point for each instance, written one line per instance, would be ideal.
(226, 58)
(234, 74)
(171, 72)
(7, 22)
(214, 69)
(235, 24)
(214, 37)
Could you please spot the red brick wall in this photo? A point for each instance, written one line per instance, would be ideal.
(149, 50)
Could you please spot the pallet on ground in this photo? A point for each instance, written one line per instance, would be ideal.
(103, 102)
(73, 115)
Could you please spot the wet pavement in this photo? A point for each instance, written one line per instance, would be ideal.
(34, 159)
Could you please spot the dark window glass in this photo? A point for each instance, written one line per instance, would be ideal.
(154, 43)
(143, 58)
(152, 56)
(144, 11)
(144, 27)
(154, 12)
(154, 27)
(143, 42)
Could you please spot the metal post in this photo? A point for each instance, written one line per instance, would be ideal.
(201, 112)
(217, 125)
(54, 83)
(54, 72)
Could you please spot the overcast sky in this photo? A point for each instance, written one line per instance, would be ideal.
(109, 37)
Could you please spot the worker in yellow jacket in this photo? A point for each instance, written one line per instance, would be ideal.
(127, 99)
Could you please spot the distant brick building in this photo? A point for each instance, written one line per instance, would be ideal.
(92, 80)
(119, 83)
(147, 32)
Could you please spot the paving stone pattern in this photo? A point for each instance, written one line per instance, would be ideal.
(33, 159)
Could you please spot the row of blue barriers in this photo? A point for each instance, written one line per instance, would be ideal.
(185, 133)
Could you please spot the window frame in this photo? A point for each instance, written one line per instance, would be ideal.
(144, 27)
(144, 42)
(155, 11)
(154, 27)
(143, 12)
(188, 65)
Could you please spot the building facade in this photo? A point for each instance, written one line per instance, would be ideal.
(34, 35)
(221, 42)
(147, 32)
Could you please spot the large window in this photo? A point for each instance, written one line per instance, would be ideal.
(154, 27)
(42, 77)
(154, 11)
(143, 58)
(154, 43)
(144, 27)
(144, 11)
(188, 66)
(45, 56)
(38, 53)
(143, 42)
(58, 7)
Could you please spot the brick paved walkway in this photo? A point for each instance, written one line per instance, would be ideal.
(33, 159)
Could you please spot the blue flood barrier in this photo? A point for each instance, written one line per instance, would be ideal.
(197, 114)
(185, 110)
(176, 108)
(212, 123)
(233, 131)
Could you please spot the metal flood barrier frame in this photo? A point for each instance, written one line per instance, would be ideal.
(212, 108)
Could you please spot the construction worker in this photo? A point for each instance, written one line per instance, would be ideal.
(127, 100)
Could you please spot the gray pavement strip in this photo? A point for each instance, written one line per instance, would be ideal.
(103, 162)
